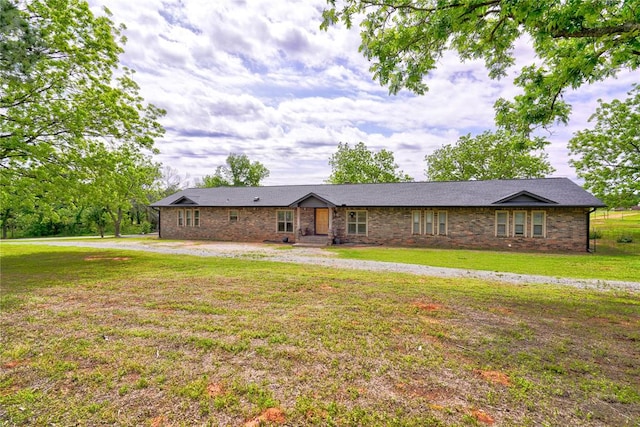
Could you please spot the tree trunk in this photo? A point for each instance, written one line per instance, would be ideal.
(116, 217)
(117, 221)
(5, 222)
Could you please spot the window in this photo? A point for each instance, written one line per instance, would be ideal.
(442, 222)
(233, 216)
(428, 222)
(188, 218)
(357, 222)
(502, 223)
(285, 221)
(519, 223)
(538, 227)
(415, 227)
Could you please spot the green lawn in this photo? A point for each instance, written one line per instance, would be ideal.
(131, 338)
(624, 267)
(612, 260)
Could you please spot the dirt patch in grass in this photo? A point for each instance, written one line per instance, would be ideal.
(483, 417)
(271, 415)
(495, 377)
(427, 306)
(104, 258)
(215, 389)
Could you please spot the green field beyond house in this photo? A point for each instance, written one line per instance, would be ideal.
(132, 338)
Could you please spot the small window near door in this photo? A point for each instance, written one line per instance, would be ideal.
(357, 222)
(285, 221)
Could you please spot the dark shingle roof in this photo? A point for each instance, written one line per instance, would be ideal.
(521, 192)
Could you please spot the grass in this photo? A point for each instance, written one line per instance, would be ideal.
(615, 226)
(131, 338)
(611, 261)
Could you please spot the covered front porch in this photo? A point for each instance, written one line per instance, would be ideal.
(314, 221)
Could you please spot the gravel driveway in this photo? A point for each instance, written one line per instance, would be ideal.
(318, 256)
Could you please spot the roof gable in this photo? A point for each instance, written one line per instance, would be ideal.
(184, 201)
(524, 198)
(312, 200)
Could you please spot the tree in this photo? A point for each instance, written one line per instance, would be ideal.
(238, 172)
(171, 181)
(499, 155)
(61, 87)
(65, 106)
(358, 165)
(98, 216)
(609, 154)
(117, 180)
(576, 42)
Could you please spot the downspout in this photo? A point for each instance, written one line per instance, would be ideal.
(589, 212)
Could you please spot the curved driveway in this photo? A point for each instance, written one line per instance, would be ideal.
(318, 256)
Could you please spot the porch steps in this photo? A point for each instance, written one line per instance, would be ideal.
(312, 241)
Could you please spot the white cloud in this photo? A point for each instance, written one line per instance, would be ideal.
(261, 78)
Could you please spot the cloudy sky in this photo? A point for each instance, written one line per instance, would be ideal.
(259, 77)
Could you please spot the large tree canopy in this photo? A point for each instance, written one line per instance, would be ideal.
(608, 156)
(359, 165)
(61, 86)
(499, 155)
(66, 107)
(238, 172)
(576, 42)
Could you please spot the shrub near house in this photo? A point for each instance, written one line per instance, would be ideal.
(550, 214)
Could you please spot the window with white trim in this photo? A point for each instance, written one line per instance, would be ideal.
(188, 218)
(428, 222)
(415, 222)
(502, 223)
(285, 221)
(519, 224)
(442, 223)
(357, 222)
(538, 224)
(233, 216)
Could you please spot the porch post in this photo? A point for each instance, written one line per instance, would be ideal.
(298, 229)
(331, 236)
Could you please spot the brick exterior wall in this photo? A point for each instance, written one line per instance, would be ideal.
(469, 228)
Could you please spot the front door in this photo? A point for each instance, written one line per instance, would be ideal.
(322, 221)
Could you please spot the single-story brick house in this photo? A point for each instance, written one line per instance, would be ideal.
(549, 214)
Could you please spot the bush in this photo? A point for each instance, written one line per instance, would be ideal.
(625, 239)
(595, 234)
